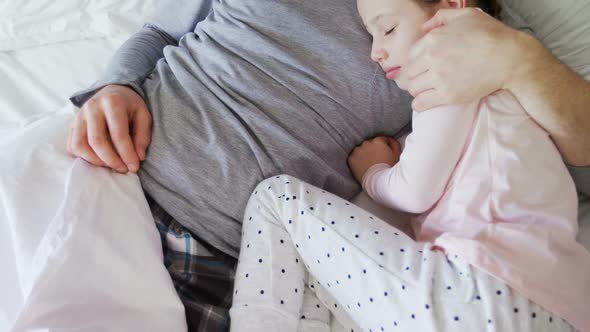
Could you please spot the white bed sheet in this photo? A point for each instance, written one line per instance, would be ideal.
(32, 23)
(41, 184)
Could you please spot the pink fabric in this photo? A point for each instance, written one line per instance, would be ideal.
(488, 183)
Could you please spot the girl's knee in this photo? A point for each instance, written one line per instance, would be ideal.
(267, 189)
(276, 189)
(277, 182)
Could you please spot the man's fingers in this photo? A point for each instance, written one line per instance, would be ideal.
(142, 127)
(443, 17)
(421, 56)
(439, 19)
(414, 67)
(427, 100)
(98, 138)
(118, 125)
(420, 84)
(79, 144)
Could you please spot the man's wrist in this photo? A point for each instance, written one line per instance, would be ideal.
(529, 59)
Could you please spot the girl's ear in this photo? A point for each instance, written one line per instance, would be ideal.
(453, 4)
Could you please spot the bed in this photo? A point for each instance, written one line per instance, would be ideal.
(66, 228)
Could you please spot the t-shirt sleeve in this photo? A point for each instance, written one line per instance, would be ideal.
(137, 57)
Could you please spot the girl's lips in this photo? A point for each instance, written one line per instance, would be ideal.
(392, 73)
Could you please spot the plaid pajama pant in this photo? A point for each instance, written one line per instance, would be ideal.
(202, 275)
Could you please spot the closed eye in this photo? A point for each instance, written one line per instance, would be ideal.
(390, 31)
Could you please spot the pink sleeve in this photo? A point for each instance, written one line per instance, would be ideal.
(427, 162)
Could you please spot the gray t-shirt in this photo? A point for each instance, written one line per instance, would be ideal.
(259, 88)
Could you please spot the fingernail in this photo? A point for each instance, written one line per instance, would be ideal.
(122, 170)
(132, 167)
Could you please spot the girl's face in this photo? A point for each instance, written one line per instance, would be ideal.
(395, 26)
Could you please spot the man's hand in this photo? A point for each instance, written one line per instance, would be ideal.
(112, 129)
(468, 55)
(378, 150)
(465, 56)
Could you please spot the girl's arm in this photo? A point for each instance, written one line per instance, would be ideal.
(431, 153)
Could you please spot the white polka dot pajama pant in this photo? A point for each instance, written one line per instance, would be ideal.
(306, 252)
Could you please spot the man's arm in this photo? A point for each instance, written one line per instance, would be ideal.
(137, 57)
(131, 64)
(547, 85)
(113, 127)
(468, 55)
(555, 96)
(559, 100)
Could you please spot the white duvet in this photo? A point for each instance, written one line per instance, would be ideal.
(80, 251)
(78, 247)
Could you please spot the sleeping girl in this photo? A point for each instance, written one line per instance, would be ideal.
(495, 220)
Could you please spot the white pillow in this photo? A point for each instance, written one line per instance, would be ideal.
(562, 26)
(30, 23)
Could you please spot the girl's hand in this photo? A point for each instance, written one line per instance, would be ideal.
(379, 150)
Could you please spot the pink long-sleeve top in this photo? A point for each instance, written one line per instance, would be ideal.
(487, 182)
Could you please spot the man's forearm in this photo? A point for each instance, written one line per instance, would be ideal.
(555, 96)
(137, 56)
(131, 63)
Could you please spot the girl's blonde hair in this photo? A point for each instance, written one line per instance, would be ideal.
(492, 7)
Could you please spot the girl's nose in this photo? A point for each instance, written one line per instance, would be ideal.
(378, 54)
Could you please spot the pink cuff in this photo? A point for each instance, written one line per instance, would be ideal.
(371, 172)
